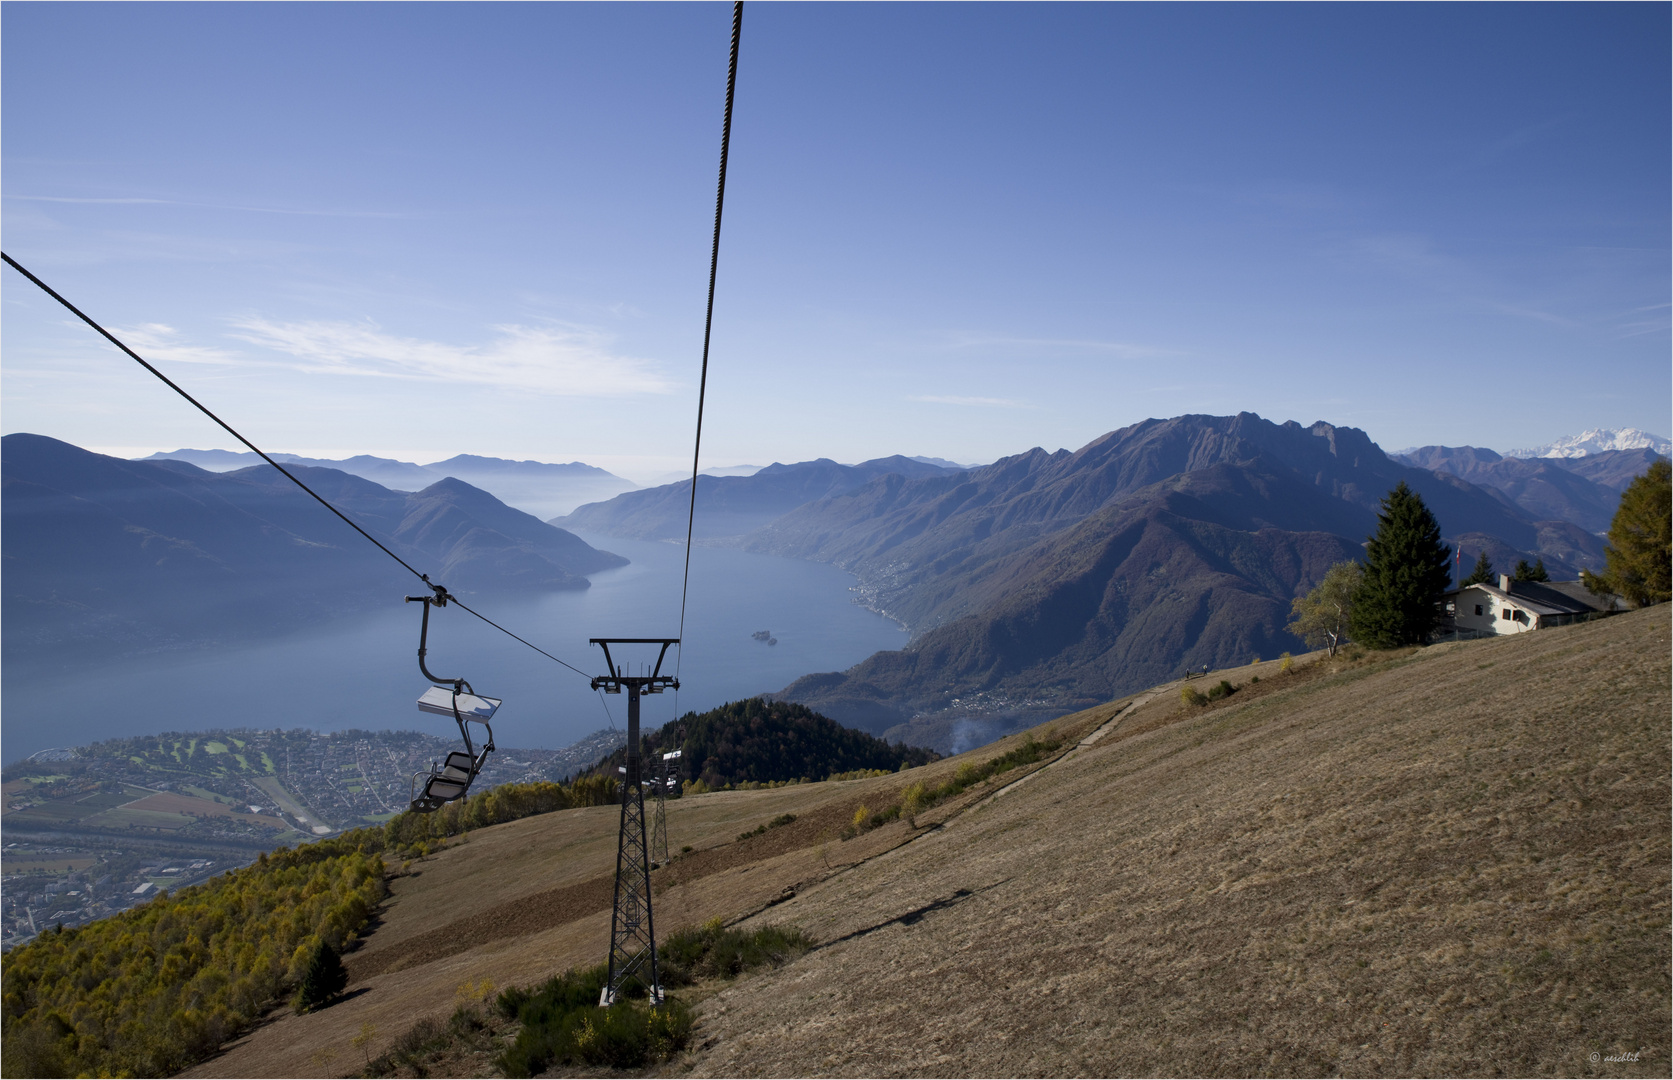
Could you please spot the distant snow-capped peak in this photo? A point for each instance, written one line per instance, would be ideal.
(1596, 441)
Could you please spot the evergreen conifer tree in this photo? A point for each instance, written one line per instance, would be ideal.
(1406, 573)
(1483, 574)
(1640, 541)
(323, 979)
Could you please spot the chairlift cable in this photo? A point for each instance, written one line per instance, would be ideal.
(172, 385)
(709, 318)
(461, 604)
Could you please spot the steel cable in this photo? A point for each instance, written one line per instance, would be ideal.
(708, 324)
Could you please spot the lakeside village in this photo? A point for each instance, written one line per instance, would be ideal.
(91, 831)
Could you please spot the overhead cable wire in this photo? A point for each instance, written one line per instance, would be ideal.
(201, 407)
(461, 604)
(709, 318)
(204, 409)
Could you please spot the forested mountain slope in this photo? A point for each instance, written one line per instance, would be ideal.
(1124, 599)
(756, 741)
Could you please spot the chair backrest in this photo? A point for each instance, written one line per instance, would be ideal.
(444, 788)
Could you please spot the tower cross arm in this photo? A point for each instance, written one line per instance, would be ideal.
(615, 679)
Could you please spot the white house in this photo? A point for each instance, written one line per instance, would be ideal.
(1515, 607)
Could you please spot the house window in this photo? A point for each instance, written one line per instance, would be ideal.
(1506, 615)
(1478, 609)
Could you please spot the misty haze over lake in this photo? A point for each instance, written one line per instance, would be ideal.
(363, 672)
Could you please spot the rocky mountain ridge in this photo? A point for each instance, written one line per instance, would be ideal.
(730, 506)
(1597, 441)
(1583, 490)
(1048, 580)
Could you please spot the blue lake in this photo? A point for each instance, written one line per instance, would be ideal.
(363, 673)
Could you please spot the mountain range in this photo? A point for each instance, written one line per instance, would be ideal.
(1049, 580)
(1597, 441)
(729, 506)
(118, 555)
(1583, 490)
(541, 488)
(1036, 584)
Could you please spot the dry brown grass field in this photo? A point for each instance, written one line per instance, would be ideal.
(1446, 861)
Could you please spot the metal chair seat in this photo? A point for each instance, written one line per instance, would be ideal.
(451, 779)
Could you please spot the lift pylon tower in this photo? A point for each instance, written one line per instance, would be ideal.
(666, 772)
(632, 932)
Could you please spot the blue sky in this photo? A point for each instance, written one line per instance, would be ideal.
(952, 230)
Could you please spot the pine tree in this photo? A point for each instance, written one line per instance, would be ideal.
(1640, 547)
(1483, 574)
(322, 980)
(1523, 571)
(1406, 573)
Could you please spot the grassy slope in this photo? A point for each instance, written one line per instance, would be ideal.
(1453, 861)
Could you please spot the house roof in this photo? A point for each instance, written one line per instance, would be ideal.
(1528, 603)
(1546, 597)
(1574, 590)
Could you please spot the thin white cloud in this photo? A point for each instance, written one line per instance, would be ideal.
(155, 341)
(99, 202)
(1535, 314)
(975, 402)
(209, 206)
(1515, 140)
(1125, 349)
(558, 359)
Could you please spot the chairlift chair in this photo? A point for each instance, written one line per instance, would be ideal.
(450, 779)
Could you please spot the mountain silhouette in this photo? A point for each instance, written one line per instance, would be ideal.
(734, 505)
(541, 488)
(1049, 580)
(1583, 490)
(121, 555)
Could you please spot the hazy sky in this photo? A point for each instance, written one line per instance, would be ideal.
(953, 230)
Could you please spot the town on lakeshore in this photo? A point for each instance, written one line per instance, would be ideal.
(95, 830)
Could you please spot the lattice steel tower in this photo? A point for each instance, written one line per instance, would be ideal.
(632, 931)
(666, 772)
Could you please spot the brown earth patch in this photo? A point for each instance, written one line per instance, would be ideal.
(523, 917)
(191, 806)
